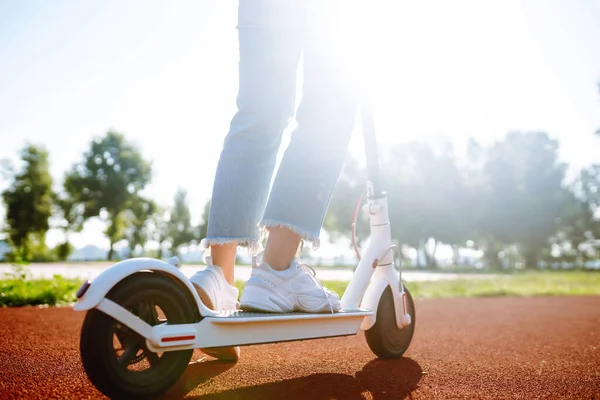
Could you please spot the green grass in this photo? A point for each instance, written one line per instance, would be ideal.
(520, 284)
(19, 290)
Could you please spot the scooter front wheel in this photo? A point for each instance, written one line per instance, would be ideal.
(384, 338)
(116, 358)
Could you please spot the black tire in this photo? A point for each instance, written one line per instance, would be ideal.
(384, 338)
(131, 370)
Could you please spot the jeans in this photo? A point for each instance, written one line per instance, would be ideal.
(275, 36)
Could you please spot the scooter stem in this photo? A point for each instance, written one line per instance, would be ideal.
(370, 140)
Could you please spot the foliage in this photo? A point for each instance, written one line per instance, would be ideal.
(159, 229)
(508, 199)
(71, 220)
(427, 197)
(542, 283)
(139, 220)
(22, 292)
(524, 193)
(108, 182)
(18, 289)
(63, 250)
(29, 203)
(338, 220)
(202, 228)
(180, 230)
(525, 284)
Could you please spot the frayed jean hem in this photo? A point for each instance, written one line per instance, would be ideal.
(243, 241)
(303, 233)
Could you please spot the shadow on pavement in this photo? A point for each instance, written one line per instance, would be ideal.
(196, 374)
(378, 379)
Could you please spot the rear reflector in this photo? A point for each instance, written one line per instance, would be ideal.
(83, 289)
(177, 338)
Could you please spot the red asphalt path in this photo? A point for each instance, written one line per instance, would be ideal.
(517, 348)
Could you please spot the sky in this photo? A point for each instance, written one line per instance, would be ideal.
(165, 75)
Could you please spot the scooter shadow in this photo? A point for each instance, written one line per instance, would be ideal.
(378, 379)
(196, 374)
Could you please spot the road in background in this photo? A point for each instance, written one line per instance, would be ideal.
(89, 270)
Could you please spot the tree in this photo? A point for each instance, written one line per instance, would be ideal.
(71, 214)
(409, 200)
(589, 188)
(338, 219)
(139, 219)
(428, 198)
(584, 225)
(180, 230)
(108, 182)
(472, 197)
(29, 202)
(577, 228)
(525, 193)
(202, 228)
(159, 228)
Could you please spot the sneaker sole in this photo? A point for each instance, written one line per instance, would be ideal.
(259, 299)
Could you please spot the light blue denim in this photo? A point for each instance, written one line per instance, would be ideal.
(273, 35)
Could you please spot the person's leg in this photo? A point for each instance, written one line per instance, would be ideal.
(282, 245)
(313, 161)
(269, 56)
(307, 175)
(223, 255)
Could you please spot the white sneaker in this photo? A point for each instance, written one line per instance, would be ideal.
(218, 295)
(214, 290)
(295, 289)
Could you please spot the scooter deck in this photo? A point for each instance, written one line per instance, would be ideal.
(240, 316)
(240, 328)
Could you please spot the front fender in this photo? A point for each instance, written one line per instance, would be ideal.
(117, 272)
(370, 301)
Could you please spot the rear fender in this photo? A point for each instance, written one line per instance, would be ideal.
(104, 282)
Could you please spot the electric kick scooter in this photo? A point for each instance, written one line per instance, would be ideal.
(144, 318)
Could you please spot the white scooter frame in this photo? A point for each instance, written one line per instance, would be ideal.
(375, 272)
(365, 299)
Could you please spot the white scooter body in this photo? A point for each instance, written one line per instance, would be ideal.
(375, 272)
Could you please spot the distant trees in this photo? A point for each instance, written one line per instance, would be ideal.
(341, 206)
(29, 203)
(71, 216)
(160, 229)
(508, 199)
(106, 184)
(180, 230)
(579, 237)
(524, 196)
(108, 181)
(202, 228)
(139, 228)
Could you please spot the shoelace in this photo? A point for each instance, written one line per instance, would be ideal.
(311, 272)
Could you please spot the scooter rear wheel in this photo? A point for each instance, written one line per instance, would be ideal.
(116, 358)
(384, 338)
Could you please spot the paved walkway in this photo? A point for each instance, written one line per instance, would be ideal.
(90, 270)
